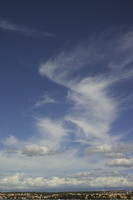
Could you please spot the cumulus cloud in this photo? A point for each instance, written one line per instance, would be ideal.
(7, 25)
(26, 148)
(118, 152)
(19, 181)
(121, 162)
(111, 148)
(105, 148)
(35, 150)
(31, 148)
(51, 134)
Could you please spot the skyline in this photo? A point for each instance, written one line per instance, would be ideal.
(66, 81)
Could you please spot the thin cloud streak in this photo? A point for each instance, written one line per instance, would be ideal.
(45, 100)
(6, 25)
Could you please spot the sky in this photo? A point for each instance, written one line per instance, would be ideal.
(66, 103)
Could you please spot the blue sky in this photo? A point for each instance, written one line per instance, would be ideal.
(66, 107)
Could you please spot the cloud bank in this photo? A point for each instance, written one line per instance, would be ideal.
(20, 182)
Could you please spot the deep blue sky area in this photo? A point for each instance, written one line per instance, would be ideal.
(66, 93)
(70, 20)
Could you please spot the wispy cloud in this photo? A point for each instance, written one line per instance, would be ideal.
(11, 140)
(45, 100)
(53, 131)
(82, 138)
(93, 108)
(7, 25)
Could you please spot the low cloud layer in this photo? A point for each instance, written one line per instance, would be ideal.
(20, 182)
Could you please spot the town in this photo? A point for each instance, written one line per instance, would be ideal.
(117, 195)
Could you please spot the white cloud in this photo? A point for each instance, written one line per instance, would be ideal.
(11, 140)
(45, 100)
(19, 181)
(105, 148)
(32, 147)
(113, 155)
(115, 54)
(52, 131)
(6, 25)
(117, 152)
(35, 150)
(109, 182)
(121, 162)
(124, 148)
(92, 110)
(93, 173)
